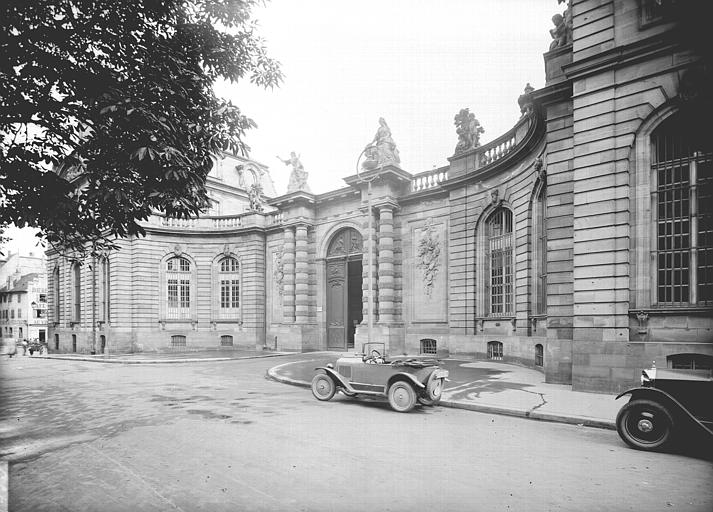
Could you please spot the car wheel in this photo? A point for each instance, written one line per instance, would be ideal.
(323, 387)
(428, 401)
(644, 424)
(402, 397)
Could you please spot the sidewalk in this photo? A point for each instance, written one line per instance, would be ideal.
(165, 357)
(493, 387)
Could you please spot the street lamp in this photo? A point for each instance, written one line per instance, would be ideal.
(370, 296)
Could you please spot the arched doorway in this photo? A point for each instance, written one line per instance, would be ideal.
(344, 288)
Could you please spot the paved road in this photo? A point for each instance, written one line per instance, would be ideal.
(219, 436)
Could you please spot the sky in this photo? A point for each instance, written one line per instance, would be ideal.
(414, 62)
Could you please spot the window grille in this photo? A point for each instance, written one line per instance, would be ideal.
(495, 350)
(178, 340)
(226, 341)
(690, 361)
(500, 244)
(74, 342)
(178, 289)
(539, 355)
(229, 278)
(684, 218)
(428, 346)
(56, 341)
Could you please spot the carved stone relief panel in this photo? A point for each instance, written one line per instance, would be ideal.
(430, 297)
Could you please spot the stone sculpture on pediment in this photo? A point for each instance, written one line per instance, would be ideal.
(298, 176)
(382, 150)
(468, 129)
(428, 255)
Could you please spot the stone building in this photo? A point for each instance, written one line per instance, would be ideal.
(23, 305)
(579, 242)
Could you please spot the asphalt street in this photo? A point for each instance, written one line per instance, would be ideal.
(220, 436)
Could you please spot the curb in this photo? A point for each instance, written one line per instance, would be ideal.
(159, 361)
(273, 374)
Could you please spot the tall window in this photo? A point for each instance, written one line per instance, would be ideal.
(539, 254)
(683, 171)
(178, 288)
(229, 279)
(76, 292)
(500, 243)
(55, 293)
(104, 289)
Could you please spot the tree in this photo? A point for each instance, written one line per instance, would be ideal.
(107, 110)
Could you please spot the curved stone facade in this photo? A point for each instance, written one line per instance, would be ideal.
(540, 247)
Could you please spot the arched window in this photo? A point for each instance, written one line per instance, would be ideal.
(178, 288)
(539, 253)
(178, 340)
(76, 292)
(500, 245)
(226, 340)
(682, 175)
(229, 289)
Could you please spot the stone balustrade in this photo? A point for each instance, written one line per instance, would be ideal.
(223, 222)
(428, 179)
(496, 150)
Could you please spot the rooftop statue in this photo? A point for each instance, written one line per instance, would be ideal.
(298, 176)
(525, 101)
(382, 150)
(562, 33)
(468, 129)
(255, 197)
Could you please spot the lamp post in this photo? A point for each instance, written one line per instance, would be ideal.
(370, 243)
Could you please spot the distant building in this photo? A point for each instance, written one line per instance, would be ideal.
(580, 242)
(23, 308)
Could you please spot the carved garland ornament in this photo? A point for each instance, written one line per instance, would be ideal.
(428, 256)
(278, 273)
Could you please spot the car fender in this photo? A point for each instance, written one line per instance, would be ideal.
(665, 399)
(338, 379)
(407, 377)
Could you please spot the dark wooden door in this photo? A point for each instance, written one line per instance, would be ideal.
(336, 304)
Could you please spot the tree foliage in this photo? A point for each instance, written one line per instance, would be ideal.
(107, 110)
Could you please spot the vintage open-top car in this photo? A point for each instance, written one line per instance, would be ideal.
(669, 403)
(405, 380)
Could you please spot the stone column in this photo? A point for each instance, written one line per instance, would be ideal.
(301, 276)
(288, 281)
(386, 264)
(365, 271)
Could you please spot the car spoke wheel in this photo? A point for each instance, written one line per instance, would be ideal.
(644, 424)
(402, 397)
(323, 387)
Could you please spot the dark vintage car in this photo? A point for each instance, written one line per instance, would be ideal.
(670, 404)
(404, 380)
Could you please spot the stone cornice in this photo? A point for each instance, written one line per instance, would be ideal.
(293, 198)
(623, 55)
(387, 172)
